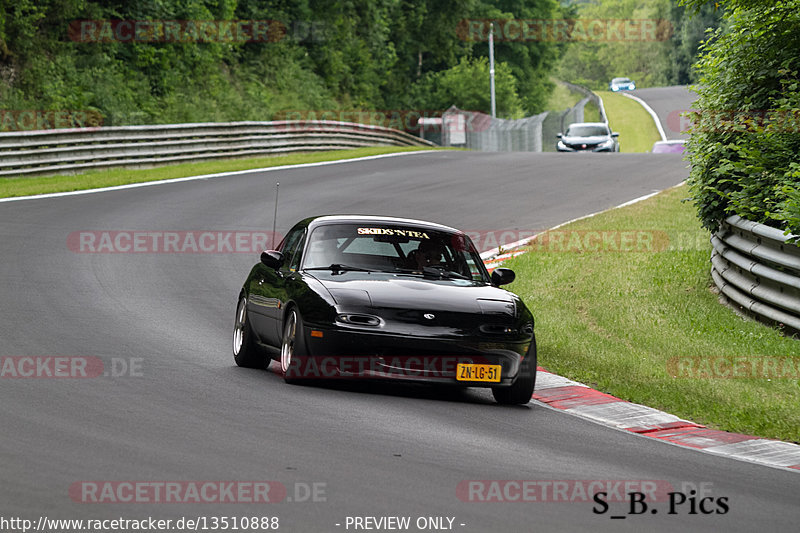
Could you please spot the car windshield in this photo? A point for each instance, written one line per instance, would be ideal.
(394, 248)
(621, 80)
(586, 130)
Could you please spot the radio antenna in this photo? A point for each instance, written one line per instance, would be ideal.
(275, 214)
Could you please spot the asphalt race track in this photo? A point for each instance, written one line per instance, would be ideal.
(189, 414)
(669, 103)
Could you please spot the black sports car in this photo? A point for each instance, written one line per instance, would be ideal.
(385, 298)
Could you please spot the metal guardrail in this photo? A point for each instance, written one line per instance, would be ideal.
(591, 96)
(59, 151)
(754, 266)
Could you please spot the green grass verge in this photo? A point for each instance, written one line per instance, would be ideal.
(637, 132)
(591, 113)
(562, 98)
(122, 176)
(616, 320)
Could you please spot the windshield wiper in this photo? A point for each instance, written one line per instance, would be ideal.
(439, 272)
(338, 267)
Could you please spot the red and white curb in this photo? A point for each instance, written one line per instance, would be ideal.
(497, 260)
(580, 400)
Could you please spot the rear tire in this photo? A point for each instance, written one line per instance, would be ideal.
(520, 392)
(245, 350)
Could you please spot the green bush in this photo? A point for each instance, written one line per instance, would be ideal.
(745, 137)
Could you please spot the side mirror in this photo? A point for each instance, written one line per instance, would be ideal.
(559, 135)
(272, 258)
(502, 276)
(615, 134)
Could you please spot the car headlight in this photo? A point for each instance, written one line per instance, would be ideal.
(607, 144)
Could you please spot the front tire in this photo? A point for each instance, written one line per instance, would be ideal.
(520, 392)
(245, 350)
(293, 353)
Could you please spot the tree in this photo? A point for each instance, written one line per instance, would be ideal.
(531, 60)
(690, 27)
(745, 141)
(645, 57)
(466, 86)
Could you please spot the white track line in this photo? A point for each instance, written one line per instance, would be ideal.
(652, 114)
(489, 254)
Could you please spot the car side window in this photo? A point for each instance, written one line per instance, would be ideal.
(293, 250)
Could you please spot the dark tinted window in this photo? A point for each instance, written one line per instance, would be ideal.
(292, 249)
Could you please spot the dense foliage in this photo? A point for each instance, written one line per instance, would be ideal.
(746, 135)
(321, 55)
(663, 57)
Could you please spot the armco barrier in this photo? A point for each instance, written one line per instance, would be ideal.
(27, 153)
(754, 266)
(591, 96)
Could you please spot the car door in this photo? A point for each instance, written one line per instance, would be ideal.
(282, 283)
(268, 292)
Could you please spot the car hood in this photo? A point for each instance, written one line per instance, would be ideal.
(379, 290)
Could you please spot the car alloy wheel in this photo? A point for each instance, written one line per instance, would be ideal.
(289, 337)
(292, 351)
(238, 326)
(245, 351)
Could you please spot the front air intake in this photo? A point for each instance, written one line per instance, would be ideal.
(359, 320)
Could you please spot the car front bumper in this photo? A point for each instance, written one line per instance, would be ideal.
(336, 353)
(567, 149)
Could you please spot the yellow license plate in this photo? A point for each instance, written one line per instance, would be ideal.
(470, 372)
